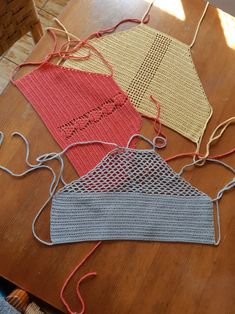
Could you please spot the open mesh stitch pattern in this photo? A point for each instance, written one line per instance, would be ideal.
(148, 62)
(131, 195)
(79, 106)
(128, 170)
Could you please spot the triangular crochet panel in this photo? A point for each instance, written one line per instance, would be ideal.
(132, 195)
(79, 106)
(147, 62)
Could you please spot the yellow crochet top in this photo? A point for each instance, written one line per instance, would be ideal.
(148, 62)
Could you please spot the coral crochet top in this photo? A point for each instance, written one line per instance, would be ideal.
(79, 106)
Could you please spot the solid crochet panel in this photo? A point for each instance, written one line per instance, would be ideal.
(147, 62)
(6, 308)
(132, 195)
(81, 106)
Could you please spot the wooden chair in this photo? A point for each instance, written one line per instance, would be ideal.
(17, 17)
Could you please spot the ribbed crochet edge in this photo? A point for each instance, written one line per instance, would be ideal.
(62, 67)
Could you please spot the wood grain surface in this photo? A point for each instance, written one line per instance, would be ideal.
(133, 277)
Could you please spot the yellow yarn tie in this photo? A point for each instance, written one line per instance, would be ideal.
(199, 24)
(63, 31)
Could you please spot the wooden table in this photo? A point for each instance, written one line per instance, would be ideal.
(133, 277)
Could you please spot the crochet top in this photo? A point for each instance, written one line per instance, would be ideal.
(148, 62)
(79, 106)
(132, 195)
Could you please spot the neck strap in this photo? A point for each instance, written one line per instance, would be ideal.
(99, 33)
(146, 16)
(69, 277)
(230, 185)
(219, 162)
(66, 52)
(199, 24)
(65, 31)
(157, 142)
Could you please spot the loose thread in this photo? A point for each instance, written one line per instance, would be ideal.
(162, 141)
(110, 30)
(63, 30)
(157, 122)
(220, 129)
(230, 185)
(146, 14)
(67, 34)
(67, 280)
(1, 137)
(191, 154)
(199, 24)
(78, 290)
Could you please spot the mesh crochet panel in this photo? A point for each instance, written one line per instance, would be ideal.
(147, 62)
(148, 69)
(128, 170)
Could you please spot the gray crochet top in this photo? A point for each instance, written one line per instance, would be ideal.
(132, 195)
